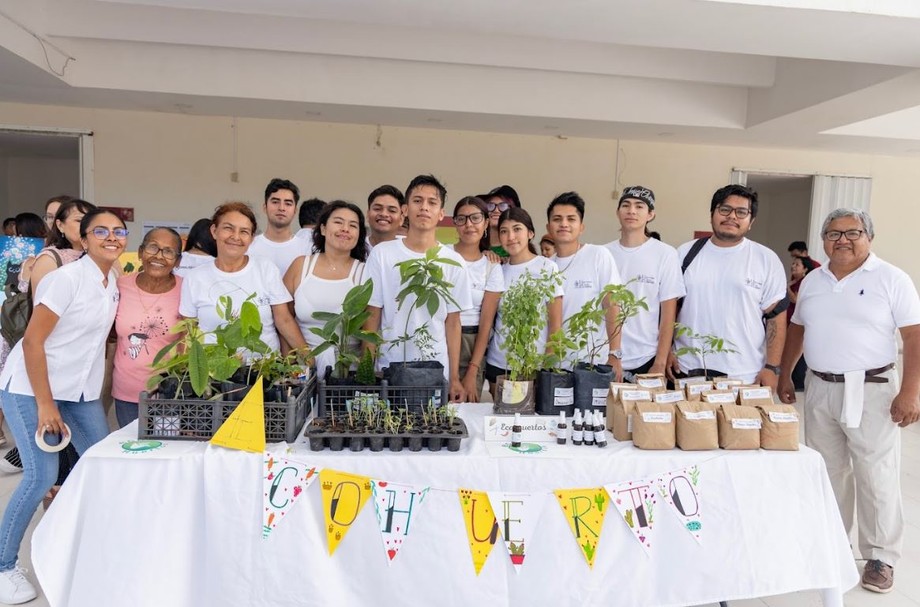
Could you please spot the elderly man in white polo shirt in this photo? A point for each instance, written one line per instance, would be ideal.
(847, 315)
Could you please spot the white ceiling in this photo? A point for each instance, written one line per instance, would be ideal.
(820, 74)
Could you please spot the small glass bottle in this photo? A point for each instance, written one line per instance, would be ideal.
(516, 431)
(561, 429)
(577, 429)
(589, 429)
(600, 430)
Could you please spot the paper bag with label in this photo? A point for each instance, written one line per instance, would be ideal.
(719, 397)
(697, 428)
(621, 409)
(655, 382)
(615, 388)
(654, 426)
(754, 396)
(695, 390)
(780, 427)
(739, 427)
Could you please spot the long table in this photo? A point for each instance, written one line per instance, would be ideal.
(182, 526)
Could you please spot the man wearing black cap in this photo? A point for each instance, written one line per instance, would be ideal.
(498, 201)
(650, 269)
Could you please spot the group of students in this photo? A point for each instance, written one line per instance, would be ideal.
(52, 382)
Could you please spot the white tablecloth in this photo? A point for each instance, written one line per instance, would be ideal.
(183, 526)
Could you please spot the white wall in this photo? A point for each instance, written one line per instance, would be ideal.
(171, 166)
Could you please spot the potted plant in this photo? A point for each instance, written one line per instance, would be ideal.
(344, 330)
(517, 553)
(705, 345)
(555, 385)
(592, 378)
(523, 317)
(423, 288)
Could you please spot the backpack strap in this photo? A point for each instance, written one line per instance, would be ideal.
(692, 253)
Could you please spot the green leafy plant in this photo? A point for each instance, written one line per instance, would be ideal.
(205, 357)
(423, 279)
(341, 330)
(704, 344)
(579, 331)
(523, 318)
(365, 374)
(516, 549)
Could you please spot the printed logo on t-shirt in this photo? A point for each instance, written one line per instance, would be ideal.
(583, 284)
(645, 279)
(262, 300)
(754, 283)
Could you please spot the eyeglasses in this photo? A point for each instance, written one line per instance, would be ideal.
(102, 233)
(502, 206)
(473, 218)
(834, 235)
(154, 249)
(740, 212)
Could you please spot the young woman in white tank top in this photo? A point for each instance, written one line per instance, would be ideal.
(319, 282)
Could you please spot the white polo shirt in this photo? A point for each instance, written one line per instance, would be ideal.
(851, 324)
(75, 348)
(279, 253)
(650, 271)
(381, 268)
(728, 288)
(204, 285)
(584, 275)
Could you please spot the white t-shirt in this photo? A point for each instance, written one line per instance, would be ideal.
(654, 272)
(728, 289)
(75, 348)
(495, 355)
(279, 253)
(381, 268)
(189, 261)
(585, 274)
(850, 324)
(203, 287)
(484, 276)
(315, 294)
(306, 235)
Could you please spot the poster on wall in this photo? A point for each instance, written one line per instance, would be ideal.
(13, 251)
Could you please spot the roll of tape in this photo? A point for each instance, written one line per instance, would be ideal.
(40, 441)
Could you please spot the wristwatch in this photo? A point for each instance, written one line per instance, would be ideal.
(775, 368)
(617, 354)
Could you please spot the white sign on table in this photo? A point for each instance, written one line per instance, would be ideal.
(538, 437)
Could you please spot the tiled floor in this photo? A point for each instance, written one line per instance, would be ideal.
(907, 581)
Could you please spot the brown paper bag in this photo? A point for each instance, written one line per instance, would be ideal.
(621, 409)
(739, 427)
(615, 388)
(654, 426)
(754, 396)
(668, 396)
(719, 397)
(780, 429)
(695, 390)
(697, 426)
(726, 383)
(655, 382)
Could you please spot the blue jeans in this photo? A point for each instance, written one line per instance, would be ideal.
(40, 469)
(125, 412)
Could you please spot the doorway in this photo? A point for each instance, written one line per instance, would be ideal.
(784, 211)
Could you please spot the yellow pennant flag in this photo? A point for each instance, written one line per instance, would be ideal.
(585, 509)
(245, 428)
(343, 497)
(481, 525)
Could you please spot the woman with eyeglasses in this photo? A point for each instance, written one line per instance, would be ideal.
(147, 308)
(498, 201)
(487, 284)
(52, 382)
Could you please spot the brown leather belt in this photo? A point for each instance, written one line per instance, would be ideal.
(871, 375)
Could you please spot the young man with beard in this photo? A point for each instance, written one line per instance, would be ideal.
(651, 271)
(424, 207)
(384, 214)
(277, 243)
(586, 269)
(732, 284)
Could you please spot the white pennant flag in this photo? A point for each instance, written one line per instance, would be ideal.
(517, 515)
(637, 503)
(396, 506)
(283, 481)
(681, 490)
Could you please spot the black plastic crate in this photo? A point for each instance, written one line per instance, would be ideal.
(197, 419)
(336, 397)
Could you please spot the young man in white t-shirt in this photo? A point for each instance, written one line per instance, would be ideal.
(385, 214)
(424, 208)
(307, 217)
(277, 243)
(732, 284)
(586, 269)
(651, 271)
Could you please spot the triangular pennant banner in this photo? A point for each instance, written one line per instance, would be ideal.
(517, 515)
(681, 490)
(396, 506)
(245, 428)
(283, 481)
(343, 497)
(636, 502)
(584, 510)
(481, 526)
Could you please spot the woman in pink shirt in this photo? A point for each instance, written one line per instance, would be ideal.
(147, 308)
